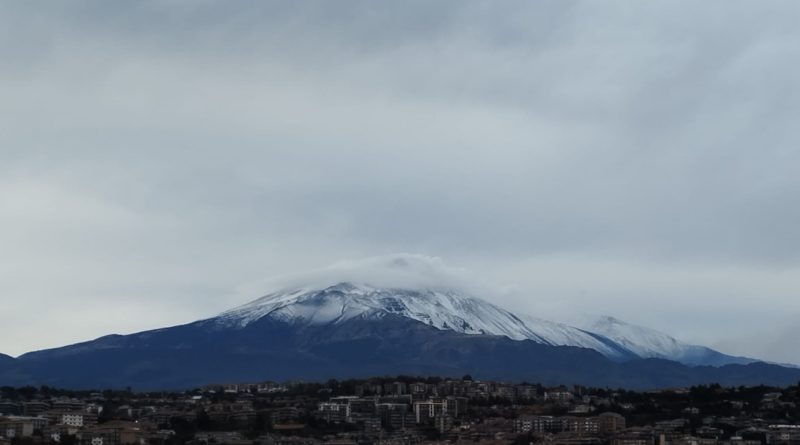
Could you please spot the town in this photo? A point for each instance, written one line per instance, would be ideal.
(401, 410)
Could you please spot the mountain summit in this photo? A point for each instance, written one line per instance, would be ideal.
(441, 309)
(424, 289)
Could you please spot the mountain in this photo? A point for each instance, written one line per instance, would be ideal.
(406, 317)
(212, 351)
(649, 343)
(456, 311)
(355, 330)
(208, 351)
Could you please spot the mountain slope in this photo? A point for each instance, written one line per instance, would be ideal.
(649, 343)
(207, 352)
(11, 372)
(6, 361)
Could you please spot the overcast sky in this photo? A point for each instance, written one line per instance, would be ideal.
(159, 160)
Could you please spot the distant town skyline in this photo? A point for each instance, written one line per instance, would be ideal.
(160, 162)
(404, 409)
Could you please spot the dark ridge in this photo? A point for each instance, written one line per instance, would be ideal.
(205, 352)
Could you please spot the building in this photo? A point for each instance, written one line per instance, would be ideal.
(111, 433)
(392, 415)
(9, 408)
(15, 426)
(580, 425)
(536, 424)
(23, 426)
(418, 390)
(784, 434)
(333, 411)
(76, 419)
(610, 423)
(604, 424)
(34, 408)
(427, 411)
(285, 414)
(558, 396)
(634, 436)
(55, 433)
(456, 406)
(67, 404)
(395, 388)
(359, 409)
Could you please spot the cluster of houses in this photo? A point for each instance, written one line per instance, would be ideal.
(393, 412)
(56, 420)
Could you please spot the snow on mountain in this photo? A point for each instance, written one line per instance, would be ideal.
(643, 341)
(649, 343)
(424, 289)
(445, 310)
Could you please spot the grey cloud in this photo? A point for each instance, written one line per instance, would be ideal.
(166, 152)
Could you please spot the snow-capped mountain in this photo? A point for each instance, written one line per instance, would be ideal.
(397, 315)
(425, 290)
(649, 343)
(444, 310)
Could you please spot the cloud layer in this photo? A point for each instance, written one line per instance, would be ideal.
(637, 160)
(404, 271)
